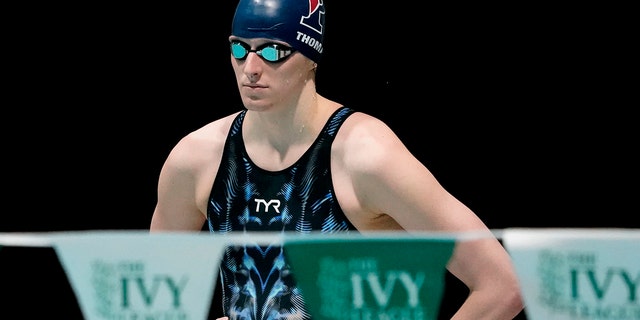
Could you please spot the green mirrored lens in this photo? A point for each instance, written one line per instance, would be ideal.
(238, 51)
(269, 54)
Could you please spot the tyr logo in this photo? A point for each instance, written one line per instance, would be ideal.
(273, 202)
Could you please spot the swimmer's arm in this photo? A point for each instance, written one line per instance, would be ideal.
(176, 208)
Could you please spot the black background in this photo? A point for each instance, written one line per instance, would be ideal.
(523, 113)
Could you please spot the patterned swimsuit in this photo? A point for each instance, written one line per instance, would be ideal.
(256, 281)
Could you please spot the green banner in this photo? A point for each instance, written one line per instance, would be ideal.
(365, 277)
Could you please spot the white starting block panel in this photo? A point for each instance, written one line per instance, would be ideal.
(577, 274)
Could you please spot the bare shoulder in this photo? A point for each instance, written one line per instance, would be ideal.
(366, 142)
(370, 165)
(187, 175)
(202, 145)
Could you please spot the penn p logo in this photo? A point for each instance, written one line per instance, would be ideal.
(315, 19)
(314, 22)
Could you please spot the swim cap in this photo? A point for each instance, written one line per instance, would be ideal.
(300, 23)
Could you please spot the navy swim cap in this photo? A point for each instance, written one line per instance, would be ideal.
(300, 23)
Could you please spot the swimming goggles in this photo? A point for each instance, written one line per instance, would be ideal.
(270, 51)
